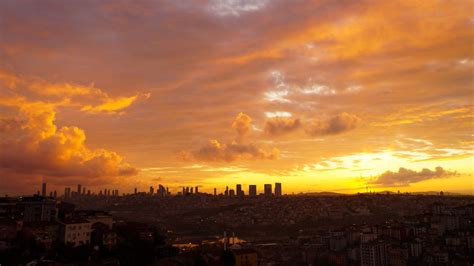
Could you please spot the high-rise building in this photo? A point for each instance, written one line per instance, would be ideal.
(79, 189)
(374, 253)
(239, 191)
(152, 190)
(191, 190)
(43, 189)
(226, 192)
(277, 189)
(231, 192)
(55, 194)
(267, 189)
(84, 191)
(215, 191)
(135, 191)
(252, 190)
(196, 190)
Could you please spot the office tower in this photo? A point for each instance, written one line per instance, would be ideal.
(231, 192)
(135, 191)
(267, 189)
(196, 190)
(252, 190)
(55, 194)
(184, 191)
(65, 192)
(215, 191)
(277, 189)
(191, 190)
(79, 189)
(226, 192)
(84, 191)
(167, 191)
(43, 189)
(88, 192)
(152, 190)
(239, 191)
(51, 194)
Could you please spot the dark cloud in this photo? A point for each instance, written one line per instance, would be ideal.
(214, 151)
(334, 125)
(281, 125)
(405, 177)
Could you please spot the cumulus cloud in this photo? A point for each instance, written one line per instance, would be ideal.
(32, 144)
(405, 177)
(281, 125)
(334, 125)
(242, 124)
(216, 151)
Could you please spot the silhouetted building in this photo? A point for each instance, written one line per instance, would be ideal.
(196, 190)
(267, 189)
(135, 191)
(43, 189)
(152, 190)
(226, 192)
(79, 187)
(252, 190)
(215, 191)
(231, 192)
(239, 190)
(277, 189)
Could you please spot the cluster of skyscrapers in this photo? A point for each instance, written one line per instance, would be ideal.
(164, 191)
(267, 190)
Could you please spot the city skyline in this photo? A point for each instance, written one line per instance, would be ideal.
(315, 95)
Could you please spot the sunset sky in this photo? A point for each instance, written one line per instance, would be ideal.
(319, 95)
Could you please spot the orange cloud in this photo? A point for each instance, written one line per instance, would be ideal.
(87, 98)
(32, 144)
(242, 124)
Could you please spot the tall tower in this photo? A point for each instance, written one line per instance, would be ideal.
(239, 191)
(79, 189)
(43, 189)
(215, 191)
(267, 189)
(252, 190)
(277, 189)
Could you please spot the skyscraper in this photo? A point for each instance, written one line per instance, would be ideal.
(196, 190)
(267, 190)
(151, 190)
(252, 190)
(215, 191)
(79, 189)
(239, 190)
(135, 191)
(43, 189)
(277, 189)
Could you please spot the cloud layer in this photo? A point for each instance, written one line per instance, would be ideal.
(405, 177)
